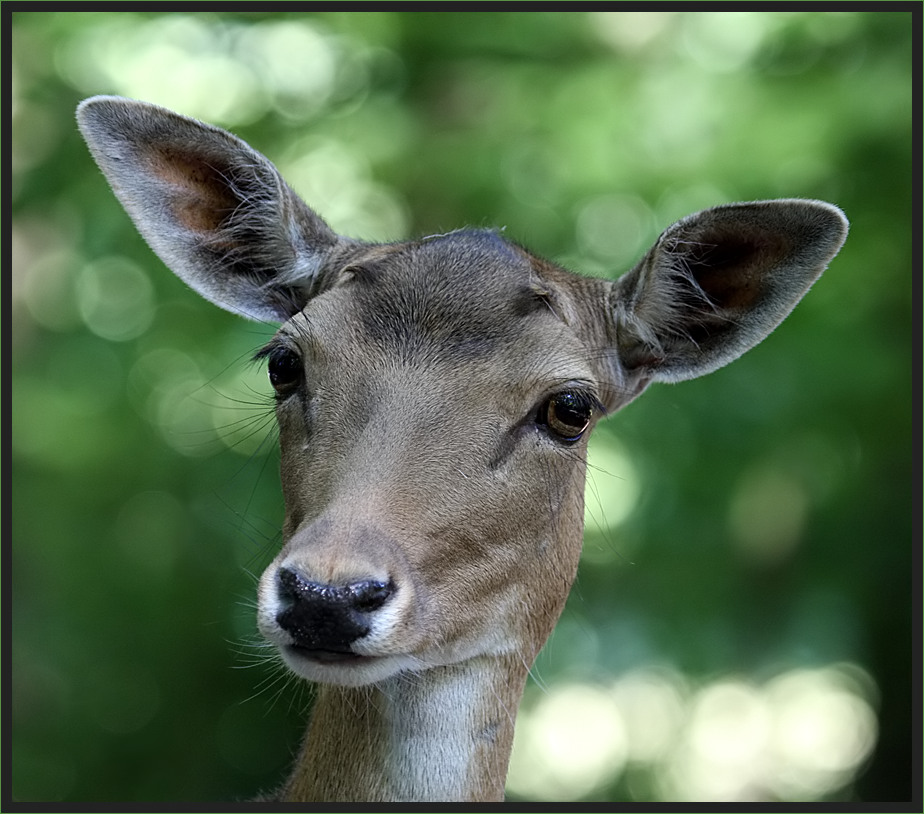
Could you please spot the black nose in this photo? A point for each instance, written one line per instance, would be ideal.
(329, 618)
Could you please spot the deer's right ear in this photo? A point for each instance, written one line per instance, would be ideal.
(214, 210)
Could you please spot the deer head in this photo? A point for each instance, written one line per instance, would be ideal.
(434, 400)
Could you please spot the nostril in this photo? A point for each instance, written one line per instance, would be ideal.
(293, 585)
(370, 595)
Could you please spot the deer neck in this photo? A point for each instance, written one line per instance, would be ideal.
(441, 735)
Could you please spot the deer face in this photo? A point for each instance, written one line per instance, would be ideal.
(434, 406)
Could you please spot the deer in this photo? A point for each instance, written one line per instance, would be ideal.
(434, 400)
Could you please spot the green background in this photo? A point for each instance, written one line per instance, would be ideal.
(749, 529)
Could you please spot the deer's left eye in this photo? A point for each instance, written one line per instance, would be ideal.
(567, 415)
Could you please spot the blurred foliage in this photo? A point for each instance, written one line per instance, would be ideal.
(744, 529)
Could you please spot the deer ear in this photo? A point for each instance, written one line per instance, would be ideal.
(718, 282)
(214, 210)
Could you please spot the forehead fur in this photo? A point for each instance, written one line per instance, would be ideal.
(462, 293)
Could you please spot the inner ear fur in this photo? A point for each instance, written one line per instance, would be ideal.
(718, 282)
(215, 210)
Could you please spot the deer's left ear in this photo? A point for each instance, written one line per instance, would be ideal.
(718, 282)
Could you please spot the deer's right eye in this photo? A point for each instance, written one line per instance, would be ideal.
(285, 369)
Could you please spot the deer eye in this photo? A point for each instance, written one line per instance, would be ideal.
(285, 369)
(567, 415)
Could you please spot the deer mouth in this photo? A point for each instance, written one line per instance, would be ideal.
(340, 657)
